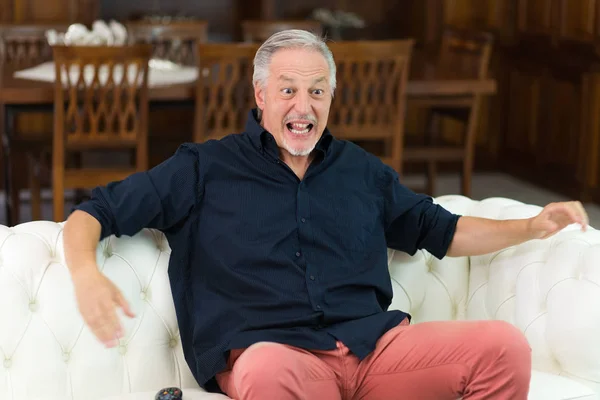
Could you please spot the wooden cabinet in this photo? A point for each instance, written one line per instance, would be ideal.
(46, 11)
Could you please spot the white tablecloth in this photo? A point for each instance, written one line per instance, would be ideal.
(156, 76)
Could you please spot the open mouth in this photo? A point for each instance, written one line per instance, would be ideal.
(298, 128)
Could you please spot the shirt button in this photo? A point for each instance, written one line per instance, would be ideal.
(297, 254)
(303, 220)
(318, 307)
(312, 277)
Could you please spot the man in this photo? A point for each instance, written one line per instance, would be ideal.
(279, 265)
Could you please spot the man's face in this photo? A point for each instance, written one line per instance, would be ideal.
(295, 100)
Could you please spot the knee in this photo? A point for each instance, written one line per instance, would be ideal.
(507, 344)
(261, 366)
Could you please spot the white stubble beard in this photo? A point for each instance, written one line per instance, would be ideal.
(298, 152)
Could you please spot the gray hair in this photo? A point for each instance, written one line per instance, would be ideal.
(289, 39)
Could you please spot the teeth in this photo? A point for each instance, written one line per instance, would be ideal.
(299, 129)
(298, 132)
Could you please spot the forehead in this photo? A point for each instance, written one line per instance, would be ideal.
(298, 64)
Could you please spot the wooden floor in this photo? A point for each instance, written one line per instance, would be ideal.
(484, 185)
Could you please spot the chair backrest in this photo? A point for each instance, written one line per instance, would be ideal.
(175, 41)
(22, 46)
(465, 53)
(369, 101)
(259, 31)
(224, 92)
(101, 98)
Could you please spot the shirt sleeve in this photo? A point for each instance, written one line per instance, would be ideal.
(158, 198)
(413, 221)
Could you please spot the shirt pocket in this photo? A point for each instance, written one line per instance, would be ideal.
(346, 222)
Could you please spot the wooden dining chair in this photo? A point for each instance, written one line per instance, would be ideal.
(177, 42)
(23, 46)
(174, 41)
(463, 54)
(370, 99)
(101, 103)
(224, 91)
(260, 30)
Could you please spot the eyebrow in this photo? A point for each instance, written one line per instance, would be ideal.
(288, 79)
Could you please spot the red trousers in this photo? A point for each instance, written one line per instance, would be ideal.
(431, 360)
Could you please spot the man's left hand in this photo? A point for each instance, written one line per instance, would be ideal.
(556, 216)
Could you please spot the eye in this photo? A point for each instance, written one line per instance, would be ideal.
(318, 92)
(286, 91)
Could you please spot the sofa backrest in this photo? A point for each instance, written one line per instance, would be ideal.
(549, 289)
(454, 287)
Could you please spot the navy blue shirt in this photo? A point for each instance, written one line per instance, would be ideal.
(260, 255)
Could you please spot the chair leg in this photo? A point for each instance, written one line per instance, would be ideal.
(15, 199)
(35, 188)
(58, 196)
(470, 139)
(431, 178)
(466, 178)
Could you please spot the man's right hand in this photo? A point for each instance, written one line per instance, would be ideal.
(98, 299)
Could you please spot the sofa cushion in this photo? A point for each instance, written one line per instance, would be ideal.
(546, 386)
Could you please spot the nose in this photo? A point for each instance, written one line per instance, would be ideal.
(303, 103)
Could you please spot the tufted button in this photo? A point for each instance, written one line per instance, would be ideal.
(7, 363)
(122, 349)
(454, 310)
(66, 356)
(143, 295)
(33, 305)
(172, 343)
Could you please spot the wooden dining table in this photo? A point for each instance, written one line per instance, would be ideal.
(21, 95)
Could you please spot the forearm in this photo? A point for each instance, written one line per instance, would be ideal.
(81, 235)
(476, 236)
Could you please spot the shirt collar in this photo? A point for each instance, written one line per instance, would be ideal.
(262, 139)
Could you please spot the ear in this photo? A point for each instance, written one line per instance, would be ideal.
(259, 96)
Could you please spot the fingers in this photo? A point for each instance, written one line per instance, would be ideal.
(570, 212)
(576, 213)
(124, 305)
(585, 219)
(104, 323)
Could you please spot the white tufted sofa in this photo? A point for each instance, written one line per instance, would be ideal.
(550, 289)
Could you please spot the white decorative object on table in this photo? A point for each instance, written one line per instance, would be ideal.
(337, 20)
(101, 34)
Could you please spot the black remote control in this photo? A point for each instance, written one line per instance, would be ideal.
(170, 393)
